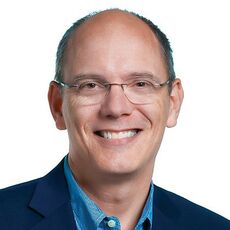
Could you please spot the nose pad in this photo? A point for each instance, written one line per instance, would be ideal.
(116, 103)
(117, 84)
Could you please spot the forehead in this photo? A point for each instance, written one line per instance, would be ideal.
(112, 40)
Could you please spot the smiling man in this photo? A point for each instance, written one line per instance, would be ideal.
(115, 92)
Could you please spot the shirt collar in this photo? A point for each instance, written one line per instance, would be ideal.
(85, 209)
(147, 213)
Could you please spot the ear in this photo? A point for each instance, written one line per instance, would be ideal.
(55, 102)
(176, 98)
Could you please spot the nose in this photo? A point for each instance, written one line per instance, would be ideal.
(115, 103)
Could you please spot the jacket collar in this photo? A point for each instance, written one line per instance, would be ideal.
(52, 201)
(166, 214)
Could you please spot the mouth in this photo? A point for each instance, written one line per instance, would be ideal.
(111, 135)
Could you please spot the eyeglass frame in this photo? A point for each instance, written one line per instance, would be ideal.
(108, 86)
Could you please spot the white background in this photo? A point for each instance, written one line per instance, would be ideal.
(194, 158)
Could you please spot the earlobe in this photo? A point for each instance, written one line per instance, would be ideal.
(176, 99)
(55, 103)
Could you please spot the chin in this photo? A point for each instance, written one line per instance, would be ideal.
(119, 167)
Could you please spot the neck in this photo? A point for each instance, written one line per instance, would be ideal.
(123, 196)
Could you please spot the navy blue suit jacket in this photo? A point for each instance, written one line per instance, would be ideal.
(44, 204)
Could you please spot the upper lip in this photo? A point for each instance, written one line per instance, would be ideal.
(116, 130)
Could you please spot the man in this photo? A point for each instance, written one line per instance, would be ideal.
(115, 91)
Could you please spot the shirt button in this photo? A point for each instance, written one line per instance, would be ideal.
(111, 223)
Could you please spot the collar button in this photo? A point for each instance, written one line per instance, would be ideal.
(111, 223)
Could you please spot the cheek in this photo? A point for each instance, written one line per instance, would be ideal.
(77, 117)
(156, 113)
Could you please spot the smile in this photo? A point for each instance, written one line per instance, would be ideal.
(117, 135)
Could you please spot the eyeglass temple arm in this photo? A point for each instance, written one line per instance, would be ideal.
(65, 85)
(165, 83)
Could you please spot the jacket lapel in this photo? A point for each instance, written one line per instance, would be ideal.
(60, 219)
(165, 213)
(52, 201)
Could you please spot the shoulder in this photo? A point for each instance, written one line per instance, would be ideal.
(22, 188)
(21, 194)
(14, 203)
(25, 204)
(17, 195)
(187, 213)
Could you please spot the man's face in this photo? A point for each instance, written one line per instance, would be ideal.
(115, 47)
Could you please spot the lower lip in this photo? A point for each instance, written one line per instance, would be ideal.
(118, 141)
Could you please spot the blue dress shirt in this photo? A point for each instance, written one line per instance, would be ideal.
(88, 216)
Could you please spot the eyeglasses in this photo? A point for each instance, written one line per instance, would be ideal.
(93, 91)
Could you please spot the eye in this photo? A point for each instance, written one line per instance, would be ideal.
(141, 84)
(90, 85)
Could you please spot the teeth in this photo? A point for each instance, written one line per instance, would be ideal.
(118, 135)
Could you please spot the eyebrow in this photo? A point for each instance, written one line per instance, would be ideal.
(88, 76)
(145, 74)
(125, 77)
